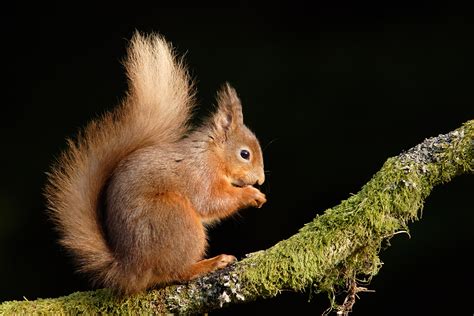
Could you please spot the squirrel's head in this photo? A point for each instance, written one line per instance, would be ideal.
(237, 148)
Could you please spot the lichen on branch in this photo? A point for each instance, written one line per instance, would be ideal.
(334, 251)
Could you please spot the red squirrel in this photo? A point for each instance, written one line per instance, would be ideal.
(132, 195)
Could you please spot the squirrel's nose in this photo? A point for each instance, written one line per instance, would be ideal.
(261, 178)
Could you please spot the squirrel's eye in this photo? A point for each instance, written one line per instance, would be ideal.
(245, 154)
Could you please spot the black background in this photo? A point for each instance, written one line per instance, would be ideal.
(332, 91)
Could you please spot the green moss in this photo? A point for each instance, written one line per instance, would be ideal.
(89, 303)
(344, 243)
(335, 249)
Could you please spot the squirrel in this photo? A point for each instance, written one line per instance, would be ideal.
(132, 196)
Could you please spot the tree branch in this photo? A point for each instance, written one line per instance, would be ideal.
(334, 251)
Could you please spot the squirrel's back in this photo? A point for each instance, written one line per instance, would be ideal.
(156, 110)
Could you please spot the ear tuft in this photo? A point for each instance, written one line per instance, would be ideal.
(229, 115)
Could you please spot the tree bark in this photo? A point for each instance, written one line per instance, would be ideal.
(327, 254)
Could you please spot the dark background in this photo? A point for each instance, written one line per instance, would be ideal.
(331, 91)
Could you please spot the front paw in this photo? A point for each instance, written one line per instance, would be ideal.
(254, 197)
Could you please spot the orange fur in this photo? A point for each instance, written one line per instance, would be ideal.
(131, 195)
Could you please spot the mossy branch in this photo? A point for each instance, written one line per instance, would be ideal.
(336, 250)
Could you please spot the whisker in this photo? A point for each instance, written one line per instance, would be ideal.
(270, 142)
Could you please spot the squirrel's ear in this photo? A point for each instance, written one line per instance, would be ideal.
(229, 111)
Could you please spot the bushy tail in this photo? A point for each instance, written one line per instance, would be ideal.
(156, 110)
